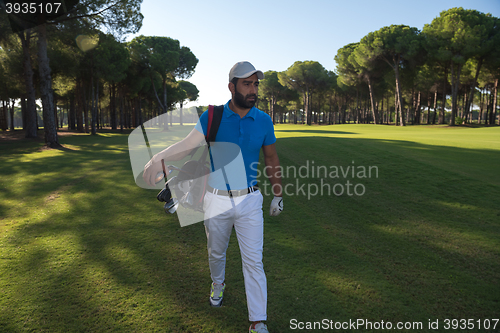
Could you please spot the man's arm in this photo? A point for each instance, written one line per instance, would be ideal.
(175, 152)
(273, 169)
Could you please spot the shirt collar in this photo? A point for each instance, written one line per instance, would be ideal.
(228, 112)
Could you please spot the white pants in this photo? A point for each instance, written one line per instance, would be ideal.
(245, 213)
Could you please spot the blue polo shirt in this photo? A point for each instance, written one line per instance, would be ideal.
(248, 134)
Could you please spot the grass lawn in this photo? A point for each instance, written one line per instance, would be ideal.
(84, 249)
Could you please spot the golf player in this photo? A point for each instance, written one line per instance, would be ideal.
(252, 130)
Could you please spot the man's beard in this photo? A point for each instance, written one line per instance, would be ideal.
(242, 102)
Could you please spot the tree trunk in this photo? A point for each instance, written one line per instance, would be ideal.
(49, 124)
(396, 107)
(79, 109)
(23, 111)
(435, 107)
(418, 108)
(11, 110)
(372, 102)
(428, 121)
(93, 107)
(85, 108)
(101, 115)
(388, 119)
(357, 104)
(402, 121)
(492, 104)
(443, 100)
(487, 113)
(399, 93)
(97, 107)
(381, 114)
(180, 115)
(56, 117)
(490, 108)
(470, 100)
(455, 81)
(62, 114)
(271, 108)
(113, 120)
(121, 110)
(165, 103)
(308, 110)
(3, 117)
(410, 115)
(162, 106)
(399, 106)
(462, 109)
(481, 107)
(139, 111)
(495, 93)
(30, 126)
(98, 112)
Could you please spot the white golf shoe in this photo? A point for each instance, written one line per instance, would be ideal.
(217, 294)
(258, 328)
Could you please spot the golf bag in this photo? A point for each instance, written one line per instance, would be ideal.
(191, 183)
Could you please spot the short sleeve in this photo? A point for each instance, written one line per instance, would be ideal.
(270, 137)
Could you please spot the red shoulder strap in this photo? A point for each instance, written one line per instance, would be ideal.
(210, 118)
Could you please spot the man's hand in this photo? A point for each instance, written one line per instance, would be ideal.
(151, 169)
(276, 206)
(175, 152)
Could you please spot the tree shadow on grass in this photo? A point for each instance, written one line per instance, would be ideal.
(420, 243)
(308, 131)
(112, 270)
(113, 261)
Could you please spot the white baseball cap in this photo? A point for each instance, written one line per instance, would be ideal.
(244, 69)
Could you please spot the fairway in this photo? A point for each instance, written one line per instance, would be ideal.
(413, 239)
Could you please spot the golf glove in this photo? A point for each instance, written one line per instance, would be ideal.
(276, 206)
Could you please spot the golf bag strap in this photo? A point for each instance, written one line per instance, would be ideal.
(210, 119)
(214, 119)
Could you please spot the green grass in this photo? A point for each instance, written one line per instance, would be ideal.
(83, 249)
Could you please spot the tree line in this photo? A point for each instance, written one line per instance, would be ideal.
(398, 75)
(83, 72)
(80, 68)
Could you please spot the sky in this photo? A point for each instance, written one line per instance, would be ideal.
(273, 34)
